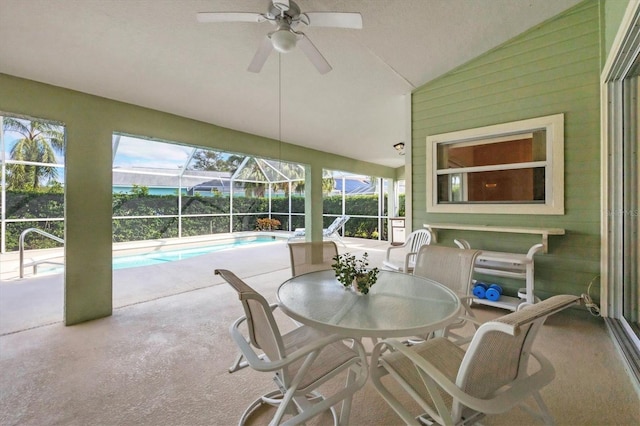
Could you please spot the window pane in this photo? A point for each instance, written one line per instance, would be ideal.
(521, 148)
(142, 153)
(144, 229)
(362, 228)
(193, 226)
(218, 204)
(27, 204)
(33, 141)
(245, 222)
(142, 203)
(34, 240)
(297, 204)
(32, 153)
(515, 186)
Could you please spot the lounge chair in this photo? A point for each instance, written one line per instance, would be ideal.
(330, 232)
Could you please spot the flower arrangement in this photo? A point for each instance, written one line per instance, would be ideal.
(266, 224)
(354, 272)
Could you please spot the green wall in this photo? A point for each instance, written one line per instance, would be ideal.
(552, 68)
(90, 122)
(613, 13)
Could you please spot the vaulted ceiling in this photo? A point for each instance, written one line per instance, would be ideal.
(155, 54)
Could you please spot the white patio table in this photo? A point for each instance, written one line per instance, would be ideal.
(398, 305)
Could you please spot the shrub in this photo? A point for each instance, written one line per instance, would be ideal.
(266, 224)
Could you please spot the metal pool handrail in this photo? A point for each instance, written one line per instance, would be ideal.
(21, 244)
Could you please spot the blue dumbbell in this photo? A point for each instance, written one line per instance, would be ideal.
(494, 292)
(479, 290)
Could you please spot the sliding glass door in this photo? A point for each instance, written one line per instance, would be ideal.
(630, 207)
(621, 184)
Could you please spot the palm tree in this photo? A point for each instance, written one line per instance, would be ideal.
(293, 172)
(38, 144)
(328, 183)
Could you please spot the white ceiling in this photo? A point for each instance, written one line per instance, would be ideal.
(153, 53)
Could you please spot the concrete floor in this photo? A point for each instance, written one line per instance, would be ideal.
(37, 301)
(162, 357)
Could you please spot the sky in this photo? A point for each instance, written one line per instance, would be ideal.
(132, 152)
(135, 152)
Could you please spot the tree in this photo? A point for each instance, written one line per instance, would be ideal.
(328, 183)
(292, 172)
(39, 143)
(205, 159)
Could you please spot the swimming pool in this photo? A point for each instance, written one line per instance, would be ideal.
(164, 256)
(154, 258)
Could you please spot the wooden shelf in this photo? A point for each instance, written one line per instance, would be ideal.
(543, 232)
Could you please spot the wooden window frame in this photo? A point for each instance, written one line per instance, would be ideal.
(553, 164)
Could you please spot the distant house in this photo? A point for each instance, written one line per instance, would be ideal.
(166, 182)
(353, 186)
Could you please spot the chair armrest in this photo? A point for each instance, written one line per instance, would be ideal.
(404, 245)
(500, 403)
(472, 320)
(390, 265)
(407, 259)
(258, 364)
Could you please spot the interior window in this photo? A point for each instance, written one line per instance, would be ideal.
(498, 168)
(511, 169)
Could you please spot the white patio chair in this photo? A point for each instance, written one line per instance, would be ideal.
(303, 260)
(311, 256)
(330, 232)
(402, 258)
(453, 386)
(301, 360)
(453, 268)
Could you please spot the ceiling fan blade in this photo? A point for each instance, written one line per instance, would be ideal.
(334, 19)
(314, 55)
(261, 55)
(229, 17)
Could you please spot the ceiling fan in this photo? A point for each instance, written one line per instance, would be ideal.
(286, 16)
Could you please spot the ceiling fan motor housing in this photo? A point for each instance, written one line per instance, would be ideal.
(280, 11)
(283, 5)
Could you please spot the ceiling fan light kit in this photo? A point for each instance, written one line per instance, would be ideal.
(284, 40)
(286, 15)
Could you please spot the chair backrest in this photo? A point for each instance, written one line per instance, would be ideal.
(417, 239)
(499, 351)
(263, 329)
(450, 266)
(311, 256)
(337, 223)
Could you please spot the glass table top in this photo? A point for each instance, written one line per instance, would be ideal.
(398, 305)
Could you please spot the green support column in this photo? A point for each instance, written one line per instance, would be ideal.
(313, 203)
(88, 229)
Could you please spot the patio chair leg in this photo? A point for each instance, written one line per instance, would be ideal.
(345, 411)
(544, 411)
(271, 398)
(239, 364)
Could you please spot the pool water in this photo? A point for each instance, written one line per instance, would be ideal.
(157, 257)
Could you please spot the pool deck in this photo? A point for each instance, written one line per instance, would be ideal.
(37, 301)
(162, 357)
(10, 262)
